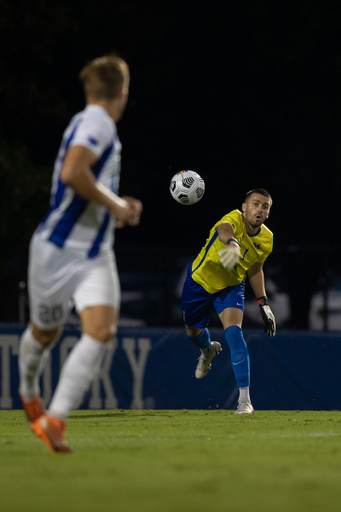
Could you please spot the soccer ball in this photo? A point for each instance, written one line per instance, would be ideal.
(187, 187)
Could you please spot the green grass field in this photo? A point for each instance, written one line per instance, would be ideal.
(175, 461)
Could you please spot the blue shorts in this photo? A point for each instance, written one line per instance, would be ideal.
(197, 303)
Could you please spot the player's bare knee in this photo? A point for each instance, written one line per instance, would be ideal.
(193, 331)
(43, 337)
(104, 333)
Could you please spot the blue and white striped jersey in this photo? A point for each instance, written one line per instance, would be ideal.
(73, 222)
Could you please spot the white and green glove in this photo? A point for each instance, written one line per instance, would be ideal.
(229, 255)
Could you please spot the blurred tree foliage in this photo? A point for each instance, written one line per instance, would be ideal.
(32, 112)
(245, 90)
(24, 192)
(245, 93)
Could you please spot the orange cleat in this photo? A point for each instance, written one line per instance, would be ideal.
(51, 431)
(33, 409)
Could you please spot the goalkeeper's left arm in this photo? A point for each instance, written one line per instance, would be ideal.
(256, 278)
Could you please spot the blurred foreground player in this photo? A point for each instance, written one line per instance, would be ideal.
(71, 254)
(237, 246)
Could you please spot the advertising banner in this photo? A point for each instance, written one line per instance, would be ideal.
(154, 369)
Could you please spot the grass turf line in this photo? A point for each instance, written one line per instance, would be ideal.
(175, 461)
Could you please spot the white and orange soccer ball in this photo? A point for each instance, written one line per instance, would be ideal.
(187, 187)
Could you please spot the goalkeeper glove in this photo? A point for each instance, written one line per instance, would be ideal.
(229, 255)
(267, 315)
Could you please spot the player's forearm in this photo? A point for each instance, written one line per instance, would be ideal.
(225, 232)
(257, 284)
(85, 185)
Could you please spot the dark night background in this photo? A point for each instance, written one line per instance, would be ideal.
(246, 94)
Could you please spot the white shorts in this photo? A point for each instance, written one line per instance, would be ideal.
(56, 276)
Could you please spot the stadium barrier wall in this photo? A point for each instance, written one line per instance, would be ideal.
(154, 368)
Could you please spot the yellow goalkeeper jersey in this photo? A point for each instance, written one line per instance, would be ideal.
(207, 269)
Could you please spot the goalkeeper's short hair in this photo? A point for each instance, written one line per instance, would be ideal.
(260, 191)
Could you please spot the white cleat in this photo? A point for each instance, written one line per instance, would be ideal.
(244, 407)
(204, 363)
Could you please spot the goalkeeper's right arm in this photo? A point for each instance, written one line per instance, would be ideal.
(229, 255)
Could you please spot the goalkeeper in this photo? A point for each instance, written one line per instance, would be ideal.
(237, 246)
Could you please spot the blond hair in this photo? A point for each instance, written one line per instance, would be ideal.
(105, 77)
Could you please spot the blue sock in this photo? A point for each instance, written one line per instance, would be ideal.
(239, 355)
(202, 340)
